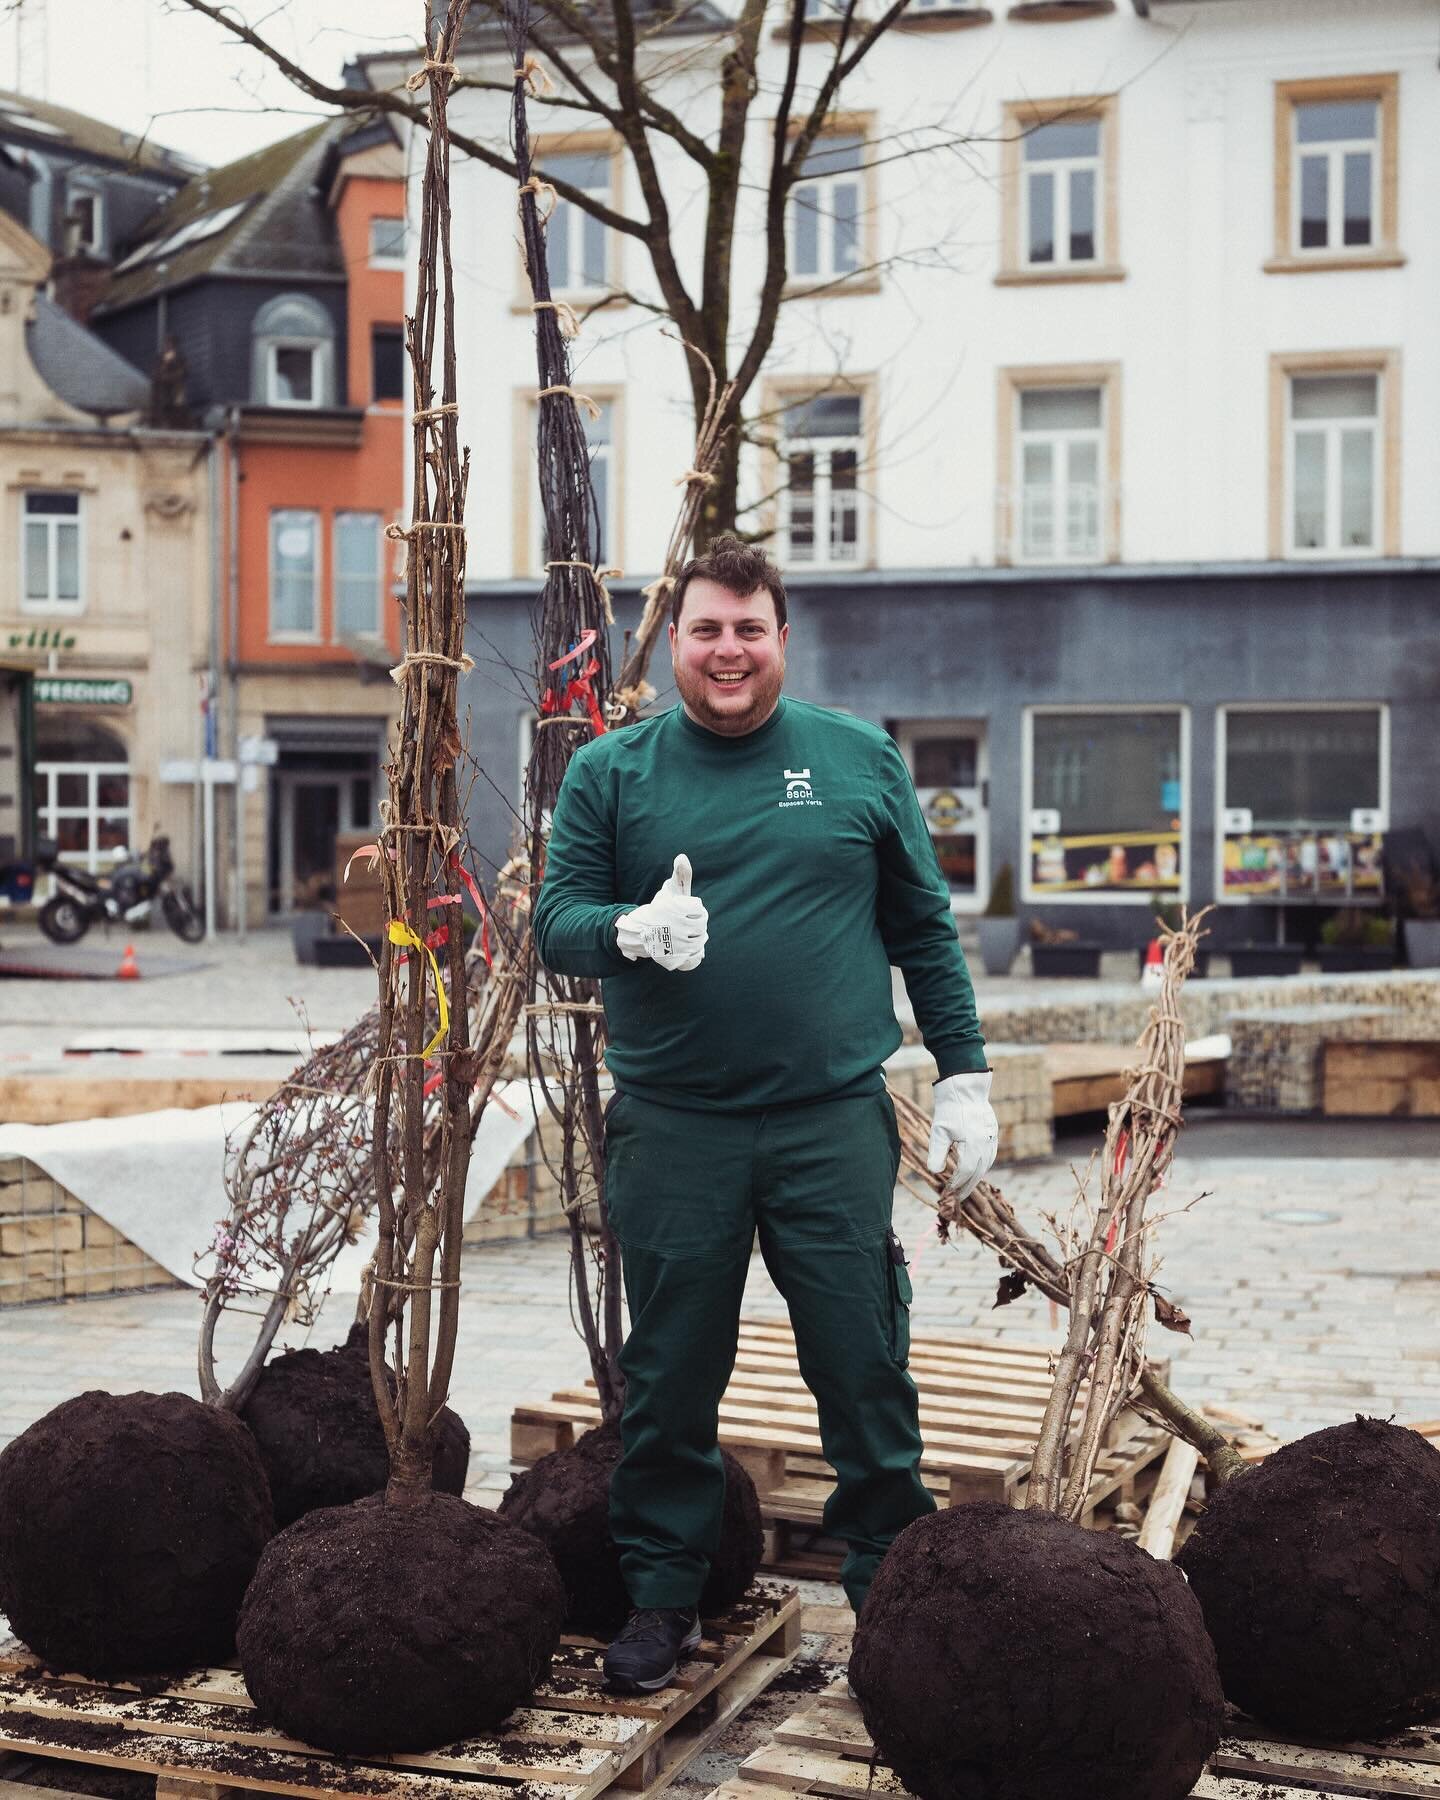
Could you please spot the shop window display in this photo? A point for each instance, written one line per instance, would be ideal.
(1106, 804)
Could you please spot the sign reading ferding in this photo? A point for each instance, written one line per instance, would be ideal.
(70, 691)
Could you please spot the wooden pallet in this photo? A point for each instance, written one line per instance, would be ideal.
(825, 1749)
(202, 1739)
(981, 1404)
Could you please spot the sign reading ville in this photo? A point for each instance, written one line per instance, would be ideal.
(43, 637)
(72, 691)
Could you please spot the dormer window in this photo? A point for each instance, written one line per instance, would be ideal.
(293, 362)
(87, 220)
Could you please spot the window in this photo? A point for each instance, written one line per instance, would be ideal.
(294, 560)
(578, 244)
(51, 552)
(293, 360)
(387, 362)
(1335, 155)
(87, 215)
(604, 437)
(387, 243)
(1303, 799)
(823, 224)
(1059, 191)
(1334, 451)
(1060, 438)
(357, 562)
(822, 440)
(82, 792)
(1106, 803)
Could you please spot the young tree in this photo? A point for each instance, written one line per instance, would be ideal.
(598, 56)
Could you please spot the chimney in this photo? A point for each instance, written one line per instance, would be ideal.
(78, 282)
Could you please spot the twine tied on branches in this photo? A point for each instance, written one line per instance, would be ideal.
(537, 187)
(591, 406)
(464, 664)
(415, 82)
(601, 577)
(564, 313)
(536, 78)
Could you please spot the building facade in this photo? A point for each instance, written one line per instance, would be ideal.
(1098, 440)
(274, 289)
(105, 585)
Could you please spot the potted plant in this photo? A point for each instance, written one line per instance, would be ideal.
(1056, 951)
(1421, 895)
(1354, 941)
(999, 924)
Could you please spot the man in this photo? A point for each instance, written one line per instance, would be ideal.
(746, 1033)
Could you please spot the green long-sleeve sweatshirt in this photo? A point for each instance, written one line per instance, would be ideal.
(816, 867)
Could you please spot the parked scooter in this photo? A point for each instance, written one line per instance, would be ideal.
(126, 894)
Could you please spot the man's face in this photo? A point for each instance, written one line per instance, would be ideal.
(729, 657)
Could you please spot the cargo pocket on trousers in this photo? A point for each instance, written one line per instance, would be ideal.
(901, 1293)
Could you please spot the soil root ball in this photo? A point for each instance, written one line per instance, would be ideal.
(565, 1501)
(130, 1525)
(372, 1627)
(1008, 1655)
(314, 1419)
(1319, 1576)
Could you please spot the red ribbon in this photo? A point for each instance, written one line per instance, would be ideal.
(587, 638)
(479, 899)
(578, 687)
(433, 1082)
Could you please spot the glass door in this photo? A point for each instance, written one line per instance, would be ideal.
(948, 763)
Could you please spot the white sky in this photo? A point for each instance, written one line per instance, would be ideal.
(157, 64)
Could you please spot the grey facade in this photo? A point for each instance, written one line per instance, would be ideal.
(933, 647)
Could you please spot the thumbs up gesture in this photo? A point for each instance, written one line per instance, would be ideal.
(671, 929)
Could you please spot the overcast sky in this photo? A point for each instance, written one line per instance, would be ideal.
(156, 64)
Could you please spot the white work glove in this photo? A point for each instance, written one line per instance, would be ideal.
(671, 929)
(963, 1117)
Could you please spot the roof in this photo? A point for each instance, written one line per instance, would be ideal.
(24, 119)
(482, 33)
(74, 364)
(264, 213)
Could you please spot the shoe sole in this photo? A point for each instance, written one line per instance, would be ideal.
(628, 1686)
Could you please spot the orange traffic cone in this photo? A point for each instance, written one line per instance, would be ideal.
(1154, 971)
(129, 969)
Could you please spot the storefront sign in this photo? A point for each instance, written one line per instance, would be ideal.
(1118, 862)
(42, 637)
(1302, 866)
(68, 691)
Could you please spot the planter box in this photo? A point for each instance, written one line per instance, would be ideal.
(342, 952)
(999, 943)
(1422, 943)
(1354, 959)
(1065, 959)
(1265, 959)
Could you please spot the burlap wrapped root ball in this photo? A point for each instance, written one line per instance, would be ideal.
(1318, 1573)
(130, 1525)
(315, 1422)
(374, 1628)
(565, 1501)
(1008, 1655)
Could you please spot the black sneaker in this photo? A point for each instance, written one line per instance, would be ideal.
(646, 1653)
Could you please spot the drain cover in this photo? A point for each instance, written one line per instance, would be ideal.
(1302, 1215)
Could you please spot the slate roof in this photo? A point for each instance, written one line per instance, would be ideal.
(93, 138)
(273, 212)
(79, 367)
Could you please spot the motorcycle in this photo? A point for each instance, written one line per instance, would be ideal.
(126, 895)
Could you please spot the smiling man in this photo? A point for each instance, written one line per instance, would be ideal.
(748, 1006)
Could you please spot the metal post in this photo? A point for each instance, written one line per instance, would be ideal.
(209, 805)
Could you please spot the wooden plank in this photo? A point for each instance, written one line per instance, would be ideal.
(1420, 1745)
(1395, 1078)
(1333, 1771)
(813, 1772)
(1157, 1534)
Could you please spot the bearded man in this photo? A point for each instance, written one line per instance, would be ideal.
(746, 1035)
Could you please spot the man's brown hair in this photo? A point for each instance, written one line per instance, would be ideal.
(740, 568)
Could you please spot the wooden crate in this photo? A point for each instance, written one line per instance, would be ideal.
(202, 1739)
(1384, 1079)
(981, 1403)
(825, 1749)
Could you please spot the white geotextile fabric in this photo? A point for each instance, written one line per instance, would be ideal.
(158, 1177)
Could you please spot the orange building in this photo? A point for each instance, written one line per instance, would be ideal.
(268, 297)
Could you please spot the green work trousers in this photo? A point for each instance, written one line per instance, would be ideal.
(687, 1192)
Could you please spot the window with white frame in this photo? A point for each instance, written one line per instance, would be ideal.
(51, 551)
(1334, 463)
(824, 209)
(87, 215)
(82, 792)
(357, 564)
(387, 244)
(576, 241)
(1060, 434)
(293, 362)
(1060, 193)
(600, 437)
(1336, 191)
(1106, 801)
(294, 573)
(822, 441)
